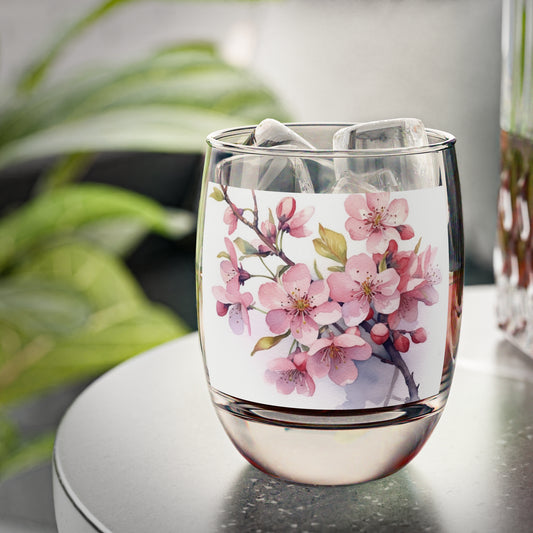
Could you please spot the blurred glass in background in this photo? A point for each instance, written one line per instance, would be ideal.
(513, 258)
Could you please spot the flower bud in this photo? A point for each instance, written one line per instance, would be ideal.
(285, 209)
(269, 230)
(354, 330)
(379, 333)
(419, 335)
(401, 343)
(406, 232)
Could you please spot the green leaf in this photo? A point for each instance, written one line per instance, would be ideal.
(122, 323)
(9, 439)
(317, 272)
(38, 70)
(34, 74)
(224, 255)
(217, 195)
(281, 270)
(336, 268)
(417, 247)
(167, 128)
(104, 343)
(64, 171)
(38, 306)
(331, 245)
(120, 235)
(27, 454)
(144, 99)
(265, 343)
(383, 263)
(66, 210)
(245, 247)
(103, 279)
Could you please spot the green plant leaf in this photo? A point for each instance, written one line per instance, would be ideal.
(9, 439)
(64, 171)
(145, 99)
(103, 279)
(66, 210)
(265, 343)
(39, 68)
(38, 306)
(45, 363)
(122, 323)
(144, 128)
(331, 245)
(27, 454)
(120, 235)
(36, 72)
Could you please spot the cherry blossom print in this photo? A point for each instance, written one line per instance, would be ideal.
(285, 209)
(235, 304)
(362, 285)
(290, 373)
(270, 233)
(360, 296)
(406, 264)
(334, 356)
(231, 220)
(231, 269)
(292, 221)
(298, 304)
(374, 219)
(430, 272)
(418, 288)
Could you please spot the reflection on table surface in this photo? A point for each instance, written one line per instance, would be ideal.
(142, 450)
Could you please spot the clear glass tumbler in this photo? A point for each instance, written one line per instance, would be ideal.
(329, 286)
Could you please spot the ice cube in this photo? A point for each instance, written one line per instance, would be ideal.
(380, 180)
(262, 172)
(393, 133)
(410, 171)
(271, 134)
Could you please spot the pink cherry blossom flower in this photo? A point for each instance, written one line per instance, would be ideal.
(431, 273)
(373, 219)
(334, 356)
(268, 229)
(289, 373)
(230, 219)
(406, 264)
(291, 221)
(417, 286)
(298, 304)
(360, 285)
(230, 301)
(231, 269)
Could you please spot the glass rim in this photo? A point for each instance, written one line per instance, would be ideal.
(216, 140)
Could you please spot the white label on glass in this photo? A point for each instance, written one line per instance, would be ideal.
(325, 301)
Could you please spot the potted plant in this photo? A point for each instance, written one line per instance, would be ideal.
(70, 307)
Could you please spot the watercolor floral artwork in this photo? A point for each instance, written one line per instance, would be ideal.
(332, 302)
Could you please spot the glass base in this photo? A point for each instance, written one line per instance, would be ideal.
(328, 447)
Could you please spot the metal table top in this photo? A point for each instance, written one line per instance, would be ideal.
(142, 450)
